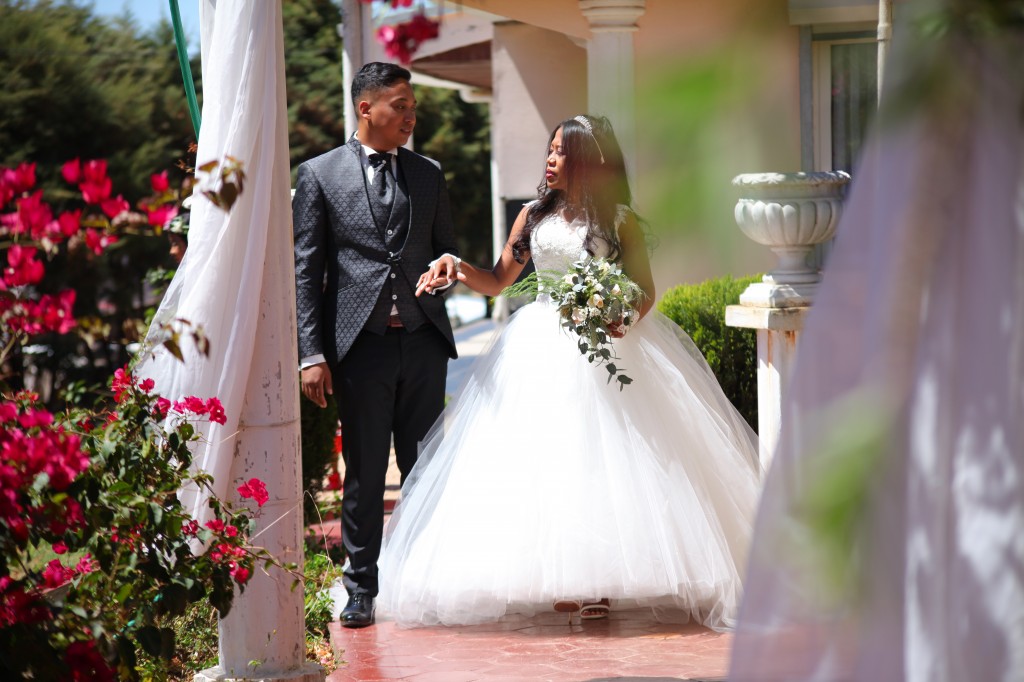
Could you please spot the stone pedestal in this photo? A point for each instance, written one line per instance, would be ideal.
(789, 213)
(777, 331)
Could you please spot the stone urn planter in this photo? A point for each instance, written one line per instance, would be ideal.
(789, 213)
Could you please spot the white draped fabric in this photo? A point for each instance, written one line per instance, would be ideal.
(889, 543)
(218, 285)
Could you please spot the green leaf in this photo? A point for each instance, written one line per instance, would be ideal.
(166, 643)
(175, 599)
(150, 639)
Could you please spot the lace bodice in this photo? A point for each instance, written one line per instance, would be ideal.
(555, 244)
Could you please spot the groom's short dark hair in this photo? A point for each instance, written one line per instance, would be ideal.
(377, 76)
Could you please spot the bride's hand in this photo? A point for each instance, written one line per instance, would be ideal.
(428, 282)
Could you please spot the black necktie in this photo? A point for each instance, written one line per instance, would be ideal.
(382, 192)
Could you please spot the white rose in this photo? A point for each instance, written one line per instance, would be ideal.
(579, 316)
(596, 301)
(568, 279)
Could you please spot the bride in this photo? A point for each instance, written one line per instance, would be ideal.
(543, 485)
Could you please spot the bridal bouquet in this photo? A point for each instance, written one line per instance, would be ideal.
(592, 298)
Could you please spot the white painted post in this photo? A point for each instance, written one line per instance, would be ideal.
(263, 637)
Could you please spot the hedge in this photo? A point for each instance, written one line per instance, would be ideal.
(730, 351)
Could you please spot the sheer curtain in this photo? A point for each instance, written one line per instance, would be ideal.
(889, 544)
(218, 285)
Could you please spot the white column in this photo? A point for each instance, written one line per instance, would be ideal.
(611, 87)
(263, 636)
(267, 622)
(352, 57)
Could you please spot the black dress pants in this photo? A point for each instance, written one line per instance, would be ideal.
(386, 386)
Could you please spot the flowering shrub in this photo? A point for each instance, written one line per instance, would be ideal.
(402, 39)
(101, 486)
(96, 551)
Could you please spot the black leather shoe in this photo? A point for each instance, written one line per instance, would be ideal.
(358, 612)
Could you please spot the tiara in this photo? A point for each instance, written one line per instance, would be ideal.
(585, 122)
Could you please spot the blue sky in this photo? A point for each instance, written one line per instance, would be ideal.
(148, 13)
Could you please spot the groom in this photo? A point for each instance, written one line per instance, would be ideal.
(369, 218)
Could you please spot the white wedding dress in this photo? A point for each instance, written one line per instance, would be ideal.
(542, 481)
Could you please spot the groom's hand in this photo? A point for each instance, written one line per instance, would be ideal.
(316, 383)
(441, 273)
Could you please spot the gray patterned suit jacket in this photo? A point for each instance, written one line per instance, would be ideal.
(341, 259)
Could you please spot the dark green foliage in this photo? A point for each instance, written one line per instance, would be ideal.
(731, 352)
(318, 429)
(316, 122)
(458, 135)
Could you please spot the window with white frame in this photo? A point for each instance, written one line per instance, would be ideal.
(844, 94)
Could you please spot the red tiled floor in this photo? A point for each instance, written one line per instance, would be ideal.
(629, 645)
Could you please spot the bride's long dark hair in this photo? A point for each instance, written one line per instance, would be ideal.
(596, 185)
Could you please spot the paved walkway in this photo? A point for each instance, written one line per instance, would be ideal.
(629, 646)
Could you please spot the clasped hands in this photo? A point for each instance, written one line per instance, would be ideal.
(441, 273)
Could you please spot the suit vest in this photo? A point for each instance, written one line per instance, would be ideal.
(397, 290)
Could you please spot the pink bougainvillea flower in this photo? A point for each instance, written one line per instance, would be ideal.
(256, 490)
(86, 565)
(86, 663)
(60, 548)
(115, 207)
(56, 574)
(22, 267)
(72, 171)
(216, 411)
(241, 575)
(70, 222)
(161, 407)
(121, 383)
(400, 41)
(33, 214)
(95, 192)
(18, 529)
(8, 411)
(159, 182)
(216, 525)
(6, 191)
(158, 217)
(54, 313)
(96, 241)
(95, 186)
(147, 385)
(94, 170)
(22, 178)
(32, 418)
(334, 481)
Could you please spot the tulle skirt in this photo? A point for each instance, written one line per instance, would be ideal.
(543, 481)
